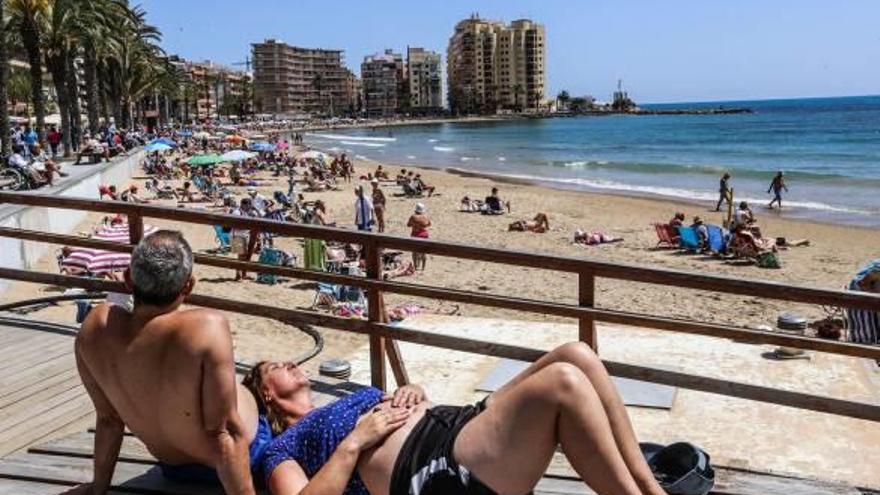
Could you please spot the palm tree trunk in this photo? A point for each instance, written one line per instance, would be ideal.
(31, 39)
(75, 108)
(5, 143)
(58, 68)
(90, 66)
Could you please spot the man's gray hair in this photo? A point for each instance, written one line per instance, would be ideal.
(161, 265)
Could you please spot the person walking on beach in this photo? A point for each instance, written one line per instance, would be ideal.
(378, 205)
(363, 210)
(777, 185)
(419, 223)
(724, 192)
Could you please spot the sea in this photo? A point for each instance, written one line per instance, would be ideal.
(828, 149)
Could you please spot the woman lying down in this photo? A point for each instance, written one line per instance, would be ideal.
(402, 444)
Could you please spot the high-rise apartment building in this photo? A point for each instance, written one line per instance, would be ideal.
(424, 81)
(383, 76)
(291, 80)
(493, 66)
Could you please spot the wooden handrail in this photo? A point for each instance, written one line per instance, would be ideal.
(787, 398)
(620, 271)
(582, 312)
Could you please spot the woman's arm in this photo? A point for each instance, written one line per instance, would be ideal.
(289, 478)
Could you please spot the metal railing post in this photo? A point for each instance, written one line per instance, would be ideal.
(587, 299)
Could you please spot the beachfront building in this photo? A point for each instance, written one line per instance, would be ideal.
(424, 81)
(492, 66)
(295, 81)
(383, 76)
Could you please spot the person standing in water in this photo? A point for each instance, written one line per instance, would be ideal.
(777, 185)
(724, 193)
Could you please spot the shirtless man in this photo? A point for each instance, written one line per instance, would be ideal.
(168, 375)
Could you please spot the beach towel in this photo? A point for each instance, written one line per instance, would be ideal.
(863, 324)
(314, 254)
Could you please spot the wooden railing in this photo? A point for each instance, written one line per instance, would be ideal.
(383, 337)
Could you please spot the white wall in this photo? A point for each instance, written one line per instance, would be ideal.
(15, 253)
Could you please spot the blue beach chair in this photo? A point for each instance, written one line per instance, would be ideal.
(273, 257)
(223, 239)
(689, 240)
(718, 238)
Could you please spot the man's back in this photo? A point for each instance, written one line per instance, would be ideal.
(151, 372)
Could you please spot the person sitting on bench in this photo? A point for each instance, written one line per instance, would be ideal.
(168, 375)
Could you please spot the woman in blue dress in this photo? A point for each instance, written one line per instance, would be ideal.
(401, 444)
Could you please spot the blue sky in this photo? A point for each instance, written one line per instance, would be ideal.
(664, 50)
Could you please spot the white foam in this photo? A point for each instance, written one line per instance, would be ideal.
(502, 159)
(432, 140)
(410, 157)
(469, 158)
(443, 149)
(361, 157)
(368, 145)
(340, 137)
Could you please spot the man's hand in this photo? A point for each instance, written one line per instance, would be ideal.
(408, 395)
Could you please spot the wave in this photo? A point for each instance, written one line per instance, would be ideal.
(672, 192)
(368, 145)
(502, 159)
(340, 137)
(361, 157)
(711, 170)
(432, 140)
(443, 149)
(469, 158)
(410, 157)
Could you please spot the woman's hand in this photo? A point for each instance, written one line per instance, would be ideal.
(375, 427)
(408, 395)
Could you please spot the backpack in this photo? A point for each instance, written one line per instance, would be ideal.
(769, 259)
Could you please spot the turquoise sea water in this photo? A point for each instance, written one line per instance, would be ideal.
(829, 149)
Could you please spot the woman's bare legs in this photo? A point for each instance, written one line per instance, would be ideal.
(509, 446)
(580, 355)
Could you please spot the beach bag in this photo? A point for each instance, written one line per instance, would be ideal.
(769, 259)
(681, 468)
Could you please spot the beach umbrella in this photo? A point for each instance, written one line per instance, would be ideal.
(202, 160)
(237, 155)
(314, 155)
(282, 145)
(262, 146)
(164, 140)
(234, 138)
(98, 261)
(157, 147)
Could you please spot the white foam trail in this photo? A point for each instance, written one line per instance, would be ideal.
(368, 145)
(502, 159)
(469, 158)
(360, 157)
(340, 137)
(432, 140)
(678, 193)
(443, 149)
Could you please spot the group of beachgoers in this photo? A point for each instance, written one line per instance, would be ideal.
(267, 429)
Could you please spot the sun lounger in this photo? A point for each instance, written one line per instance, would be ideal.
(223, 239)
(689, 240)
(273, 257)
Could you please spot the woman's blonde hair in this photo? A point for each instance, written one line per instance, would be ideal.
(253, 381)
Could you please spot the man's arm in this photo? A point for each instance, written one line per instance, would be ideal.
(220, 417)
(108, 427)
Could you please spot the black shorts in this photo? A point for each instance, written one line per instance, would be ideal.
(425, 465)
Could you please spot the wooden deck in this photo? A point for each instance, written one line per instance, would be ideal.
(47, 445)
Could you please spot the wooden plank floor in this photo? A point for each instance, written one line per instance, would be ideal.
(41, 396)
(47, 448)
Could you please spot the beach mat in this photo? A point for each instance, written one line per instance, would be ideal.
(635, 393)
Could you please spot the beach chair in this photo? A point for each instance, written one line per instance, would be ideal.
(223, 239)
(718, 238)
(666, 234)
(326, 295)
(689, 240)
(273, 257)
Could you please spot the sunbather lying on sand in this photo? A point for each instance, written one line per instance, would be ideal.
(471, 205)
(593, 238)
(538, 225)
(397, 444)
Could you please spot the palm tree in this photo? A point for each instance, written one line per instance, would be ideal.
(562, 100)
(19, 89)
(5, 144)
(517, 90)
(57, 23)
(25, 16)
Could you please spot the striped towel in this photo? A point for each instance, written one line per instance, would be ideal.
(863, 324)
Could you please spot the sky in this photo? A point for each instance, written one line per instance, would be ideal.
(663, 50)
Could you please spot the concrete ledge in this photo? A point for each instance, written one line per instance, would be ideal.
(82, 183)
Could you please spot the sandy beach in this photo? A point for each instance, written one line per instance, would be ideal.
(834, 255)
